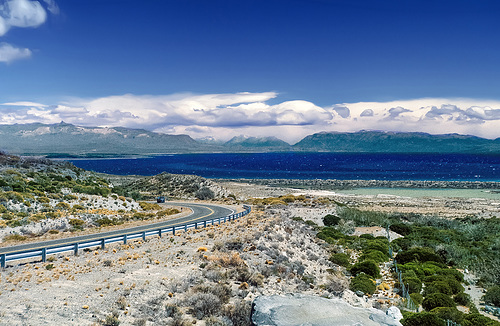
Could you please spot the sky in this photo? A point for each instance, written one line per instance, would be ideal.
(249, 67)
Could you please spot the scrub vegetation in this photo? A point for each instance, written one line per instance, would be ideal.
(428, 256)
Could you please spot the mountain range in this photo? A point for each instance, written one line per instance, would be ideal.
(67, 140)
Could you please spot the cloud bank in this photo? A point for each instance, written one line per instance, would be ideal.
(224, 116)
(21, 14)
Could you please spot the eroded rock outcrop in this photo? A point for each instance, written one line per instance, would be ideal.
(297, 309)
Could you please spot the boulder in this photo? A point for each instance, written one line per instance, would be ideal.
(297, 309)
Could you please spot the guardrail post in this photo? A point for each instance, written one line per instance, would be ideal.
(196, 225)
(75, 249)
(102, 244)
(173, 230)
(159, 233)
(124, 239)
(2, 260)
(185, 228)
(204, 224)
(44, 255)
(144, 236)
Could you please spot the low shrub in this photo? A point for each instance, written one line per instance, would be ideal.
(413, 284)
(364, 283)
(70, 197)
(14, 237)
(401, 228)
(422, 319)
(331, 220)
(462, 299)
(374, 255)
(43, 200)
(239, 314)
(204, 194)
(149, 206)
(448, 313)
(417, 298)
(204, 304)
(435, 300)
(63, 206)
(492, 296)
(419, 254)
(106, 221)
(341, 259)
(76, 223)
(222, 291)
(368, 267)
(475, 319)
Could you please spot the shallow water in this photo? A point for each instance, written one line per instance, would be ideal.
(416, 193)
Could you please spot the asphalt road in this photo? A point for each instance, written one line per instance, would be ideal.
(200, 213)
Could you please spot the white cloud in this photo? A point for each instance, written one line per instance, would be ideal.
(226, 115)
(9, 53)
(21, 14)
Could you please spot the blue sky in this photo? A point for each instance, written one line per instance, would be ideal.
(288, 64)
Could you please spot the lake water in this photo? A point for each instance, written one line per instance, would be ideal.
(342, 166)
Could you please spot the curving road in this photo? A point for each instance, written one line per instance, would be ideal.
(200, 213)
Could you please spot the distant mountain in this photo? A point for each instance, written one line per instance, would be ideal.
(68, 140)
(264, 143)
(396, 142)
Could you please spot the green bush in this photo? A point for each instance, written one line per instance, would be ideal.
(401, 228)
(381, 245)
(419, 254)
(76, 223)
(330, 234)
(374, 255)
(368, 267)
(77, 207)
(63, 206)
(413, 283)
(437, 287)
(492, 296)
(331, 220)
(476, 319)
(43, 200)
(462, 299)
(435, 300)
(448, 313)
(422, 319)
(444, 284)
(341, 259)
(105, 221)
(417, 298)
(363, 283)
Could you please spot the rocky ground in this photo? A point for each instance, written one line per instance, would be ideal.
(261, 254)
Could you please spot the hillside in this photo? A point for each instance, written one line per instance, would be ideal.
(396, 142)
(68, 140)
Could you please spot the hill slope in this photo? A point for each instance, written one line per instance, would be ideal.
(396, 142)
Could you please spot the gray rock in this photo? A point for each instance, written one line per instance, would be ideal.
(303, 310)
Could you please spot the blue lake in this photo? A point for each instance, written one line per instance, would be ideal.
(343, 166)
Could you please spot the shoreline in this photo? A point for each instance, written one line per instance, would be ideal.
(335, 184)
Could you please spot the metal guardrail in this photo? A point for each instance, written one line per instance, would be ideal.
(102, 242)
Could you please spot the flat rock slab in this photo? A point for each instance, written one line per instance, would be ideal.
(302, 310)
